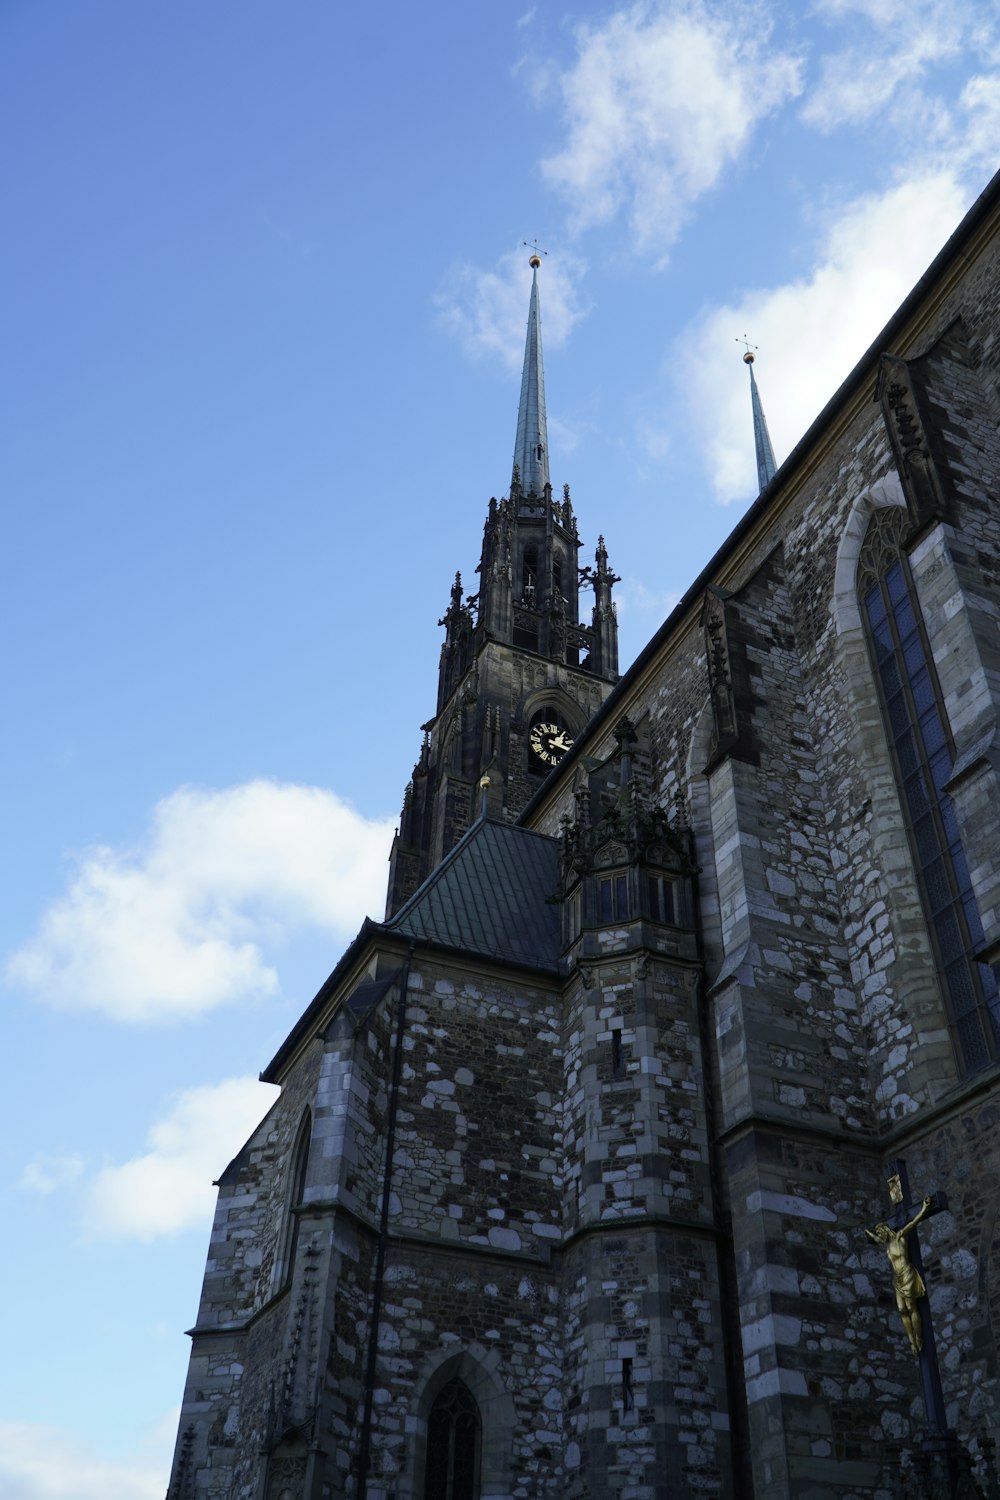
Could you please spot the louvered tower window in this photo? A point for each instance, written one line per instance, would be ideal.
(453, 1440)
(923, 754)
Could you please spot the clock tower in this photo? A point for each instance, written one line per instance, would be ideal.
(520, 673)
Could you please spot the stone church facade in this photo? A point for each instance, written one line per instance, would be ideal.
(566, 1190)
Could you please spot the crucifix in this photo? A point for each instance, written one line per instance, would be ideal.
(898, 1237)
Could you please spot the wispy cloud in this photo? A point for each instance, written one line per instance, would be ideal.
(659, 101)
(811, 332)
(47, 1174)
(886, 57)
(40, 1461)
(486, 310)
(633, 597)
(168, 1187)
(181, 923)
(890, 47)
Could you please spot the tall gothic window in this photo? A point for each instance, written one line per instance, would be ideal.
(296, 1191)
(454, 1431)
(923, 754)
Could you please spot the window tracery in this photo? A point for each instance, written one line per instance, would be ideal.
(454, 1434)
(922, 755)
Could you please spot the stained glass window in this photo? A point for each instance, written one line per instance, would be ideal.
(922, 751)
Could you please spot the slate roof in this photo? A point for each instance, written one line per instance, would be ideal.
(490, 896)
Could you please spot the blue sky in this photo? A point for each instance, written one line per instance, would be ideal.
(263, 303)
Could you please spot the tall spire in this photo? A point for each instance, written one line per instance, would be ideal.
(531, 447)
(766, 465)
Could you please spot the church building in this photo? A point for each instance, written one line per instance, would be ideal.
(649, 1146)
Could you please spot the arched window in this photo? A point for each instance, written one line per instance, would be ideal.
(454, 1433)
(922, 753)
(295, 1195)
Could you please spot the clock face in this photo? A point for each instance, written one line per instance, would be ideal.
(550, 743)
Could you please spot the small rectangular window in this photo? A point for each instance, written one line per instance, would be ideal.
(572, 917)
(612, 899)
(660, 896)
(617, 1054)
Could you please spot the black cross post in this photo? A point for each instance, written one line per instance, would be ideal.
(903, 1211)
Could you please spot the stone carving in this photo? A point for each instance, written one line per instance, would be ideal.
(922, 469)
(183, 1485)
(729, 687)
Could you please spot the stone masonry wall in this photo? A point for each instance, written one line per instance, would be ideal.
(832, 1044)
(239, 1281)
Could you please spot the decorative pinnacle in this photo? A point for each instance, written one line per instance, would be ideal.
(531, 456)
(766, 466)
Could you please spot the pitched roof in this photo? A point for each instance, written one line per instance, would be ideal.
(491, 896)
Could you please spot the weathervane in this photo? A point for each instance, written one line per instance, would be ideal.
(748, 356)
(535, 258)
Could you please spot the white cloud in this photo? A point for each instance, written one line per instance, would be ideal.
(811, 332)
(487, 310)
(659, 100)
(40, 1461)
(858, 81)
(977, 126)
(888, 55)
(179, 925)
(48, 1173)
(169, 1187)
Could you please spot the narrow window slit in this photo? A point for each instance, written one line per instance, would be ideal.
(628, 1390)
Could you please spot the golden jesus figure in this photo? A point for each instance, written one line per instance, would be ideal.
(907, 1281)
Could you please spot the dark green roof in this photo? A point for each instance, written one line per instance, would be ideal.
(491, 896)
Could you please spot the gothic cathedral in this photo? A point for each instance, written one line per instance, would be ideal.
(649, 1146)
